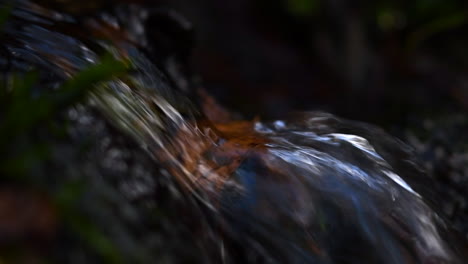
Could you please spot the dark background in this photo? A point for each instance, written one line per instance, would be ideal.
(377, 61)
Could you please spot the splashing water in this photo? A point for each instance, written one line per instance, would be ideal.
(309, 189)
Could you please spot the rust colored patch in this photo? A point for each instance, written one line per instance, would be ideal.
(25, 215)
(315, 248)
(212, 109)
(205, 162)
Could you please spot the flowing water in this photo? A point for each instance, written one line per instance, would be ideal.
(311, 188)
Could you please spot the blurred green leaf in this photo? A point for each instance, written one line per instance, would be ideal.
(390, 19)
(20, 164)
(435, 8)
(5, 12)
(68, 194)
(68, 199)
(303, 7)
(76, 88)
(436, 26)
(23, 110)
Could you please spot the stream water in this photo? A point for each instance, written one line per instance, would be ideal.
(312, 188)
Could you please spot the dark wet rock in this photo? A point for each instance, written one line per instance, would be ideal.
(141, 175)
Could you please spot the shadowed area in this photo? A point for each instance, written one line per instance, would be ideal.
(123, 157)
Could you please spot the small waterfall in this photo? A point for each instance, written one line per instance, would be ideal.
(312, 188)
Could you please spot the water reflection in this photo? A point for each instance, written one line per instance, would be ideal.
(309, 189)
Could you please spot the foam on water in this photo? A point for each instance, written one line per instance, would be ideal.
(309, 189)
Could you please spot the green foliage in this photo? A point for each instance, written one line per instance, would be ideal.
(68, 199)
(302, 7)
(444, 23)
(31, 124)
(5, 12)
(22, 111)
